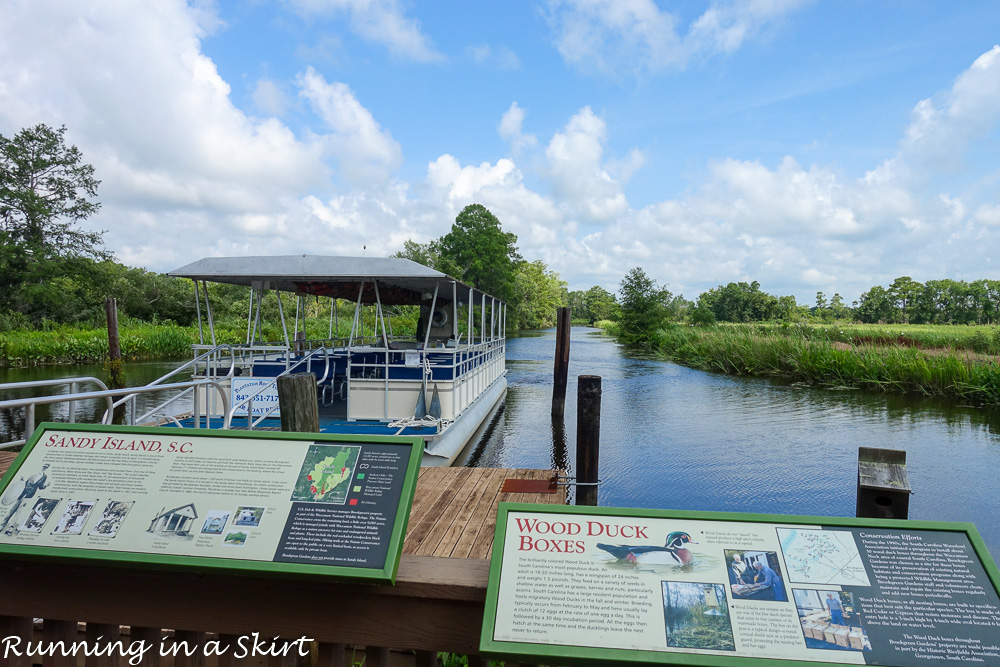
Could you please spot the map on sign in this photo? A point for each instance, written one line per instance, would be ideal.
(822, 557)
(326, 474)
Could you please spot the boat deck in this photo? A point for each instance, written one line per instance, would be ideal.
(454, 509)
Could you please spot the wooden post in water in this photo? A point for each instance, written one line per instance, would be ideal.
(588, 437)
(298, 404)
(883, 485)
(563, 318)
(116, 368)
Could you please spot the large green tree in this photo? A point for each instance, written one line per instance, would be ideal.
(601, 304)
(643, 307)
(46, 190)
(47, 267)
(480, 253)
(539, 293)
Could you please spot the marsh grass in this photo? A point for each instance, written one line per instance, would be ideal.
(817, 355)
(141, 341)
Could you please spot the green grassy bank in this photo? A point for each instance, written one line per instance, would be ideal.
(954, 362)
(67, 345)
(141, 341)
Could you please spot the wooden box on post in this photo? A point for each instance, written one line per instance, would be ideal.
(883, 485)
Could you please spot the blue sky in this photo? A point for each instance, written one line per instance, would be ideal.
(812, 146)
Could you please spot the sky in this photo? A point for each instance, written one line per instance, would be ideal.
(826, 145)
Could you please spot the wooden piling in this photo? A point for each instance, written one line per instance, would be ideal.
(883, 485)
(298, 404)
(588, 438)
(563, 319)
(116, 367)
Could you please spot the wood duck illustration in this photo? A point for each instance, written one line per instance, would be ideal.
(673, 552)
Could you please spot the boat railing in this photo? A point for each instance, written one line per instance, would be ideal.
(182, 388)
(296, 367)
(464, 370)
(211, 358)
(29, 403)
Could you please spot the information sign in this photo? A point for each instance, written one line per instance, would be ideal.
(315, 504)
(583, 585)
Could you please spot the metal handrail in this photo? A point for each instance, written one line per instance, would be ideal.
(191, 385)
(227, 423)
(193, 362)
(30, 403)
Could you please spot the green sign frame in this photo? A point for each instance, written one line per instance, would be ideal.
(564, 654)
(397, 515)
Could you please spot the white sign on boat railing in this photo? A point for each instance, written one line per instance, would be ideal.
(262, 403)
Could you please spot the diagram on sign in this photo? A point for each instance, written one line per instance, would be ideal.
(326, 474)
(822, 557)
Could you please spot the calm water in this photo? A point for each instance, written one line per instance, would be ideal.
(136, 374)
(676, 438)
(672, 437)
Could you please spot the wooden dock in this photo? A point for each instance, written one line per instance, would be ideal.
(454, 509)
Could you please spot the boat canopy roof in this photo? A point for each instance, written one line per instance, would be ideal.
(400, 281)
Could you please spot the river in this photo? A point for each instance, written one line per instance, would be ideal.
(677, 438)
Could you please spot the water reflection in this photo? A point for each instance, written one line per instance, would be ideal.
(673, 437)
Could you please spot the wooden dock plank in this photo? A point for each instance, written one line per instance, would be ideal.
(474, 524)
(6, 458)
(441, 489)
(462, 523)
(449, 512)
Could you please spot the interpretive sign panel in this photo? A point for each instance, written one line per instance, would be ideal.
(330, 505)
(580, 585)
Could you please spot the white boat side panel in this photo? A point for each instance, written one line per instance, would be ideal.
(443, 451)
(368, 399)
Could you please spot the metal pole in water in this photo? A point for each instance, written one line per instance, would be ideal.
(588, 437)
(562, 362)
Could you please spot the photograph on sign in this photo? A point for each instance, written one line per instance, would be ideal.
(587, 584)
(275, 502)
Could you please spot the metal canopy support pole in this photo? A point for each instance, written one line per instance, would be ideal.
(381, 318)
(470, 337)
(434, 300)
(482, 320)
(493, 318)
(281, 314)
(357, 309)
(333, 309)
(208, 311)
(250, 314)
(454, 311)
(197, 305)
(256, 319)
(298, 308)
